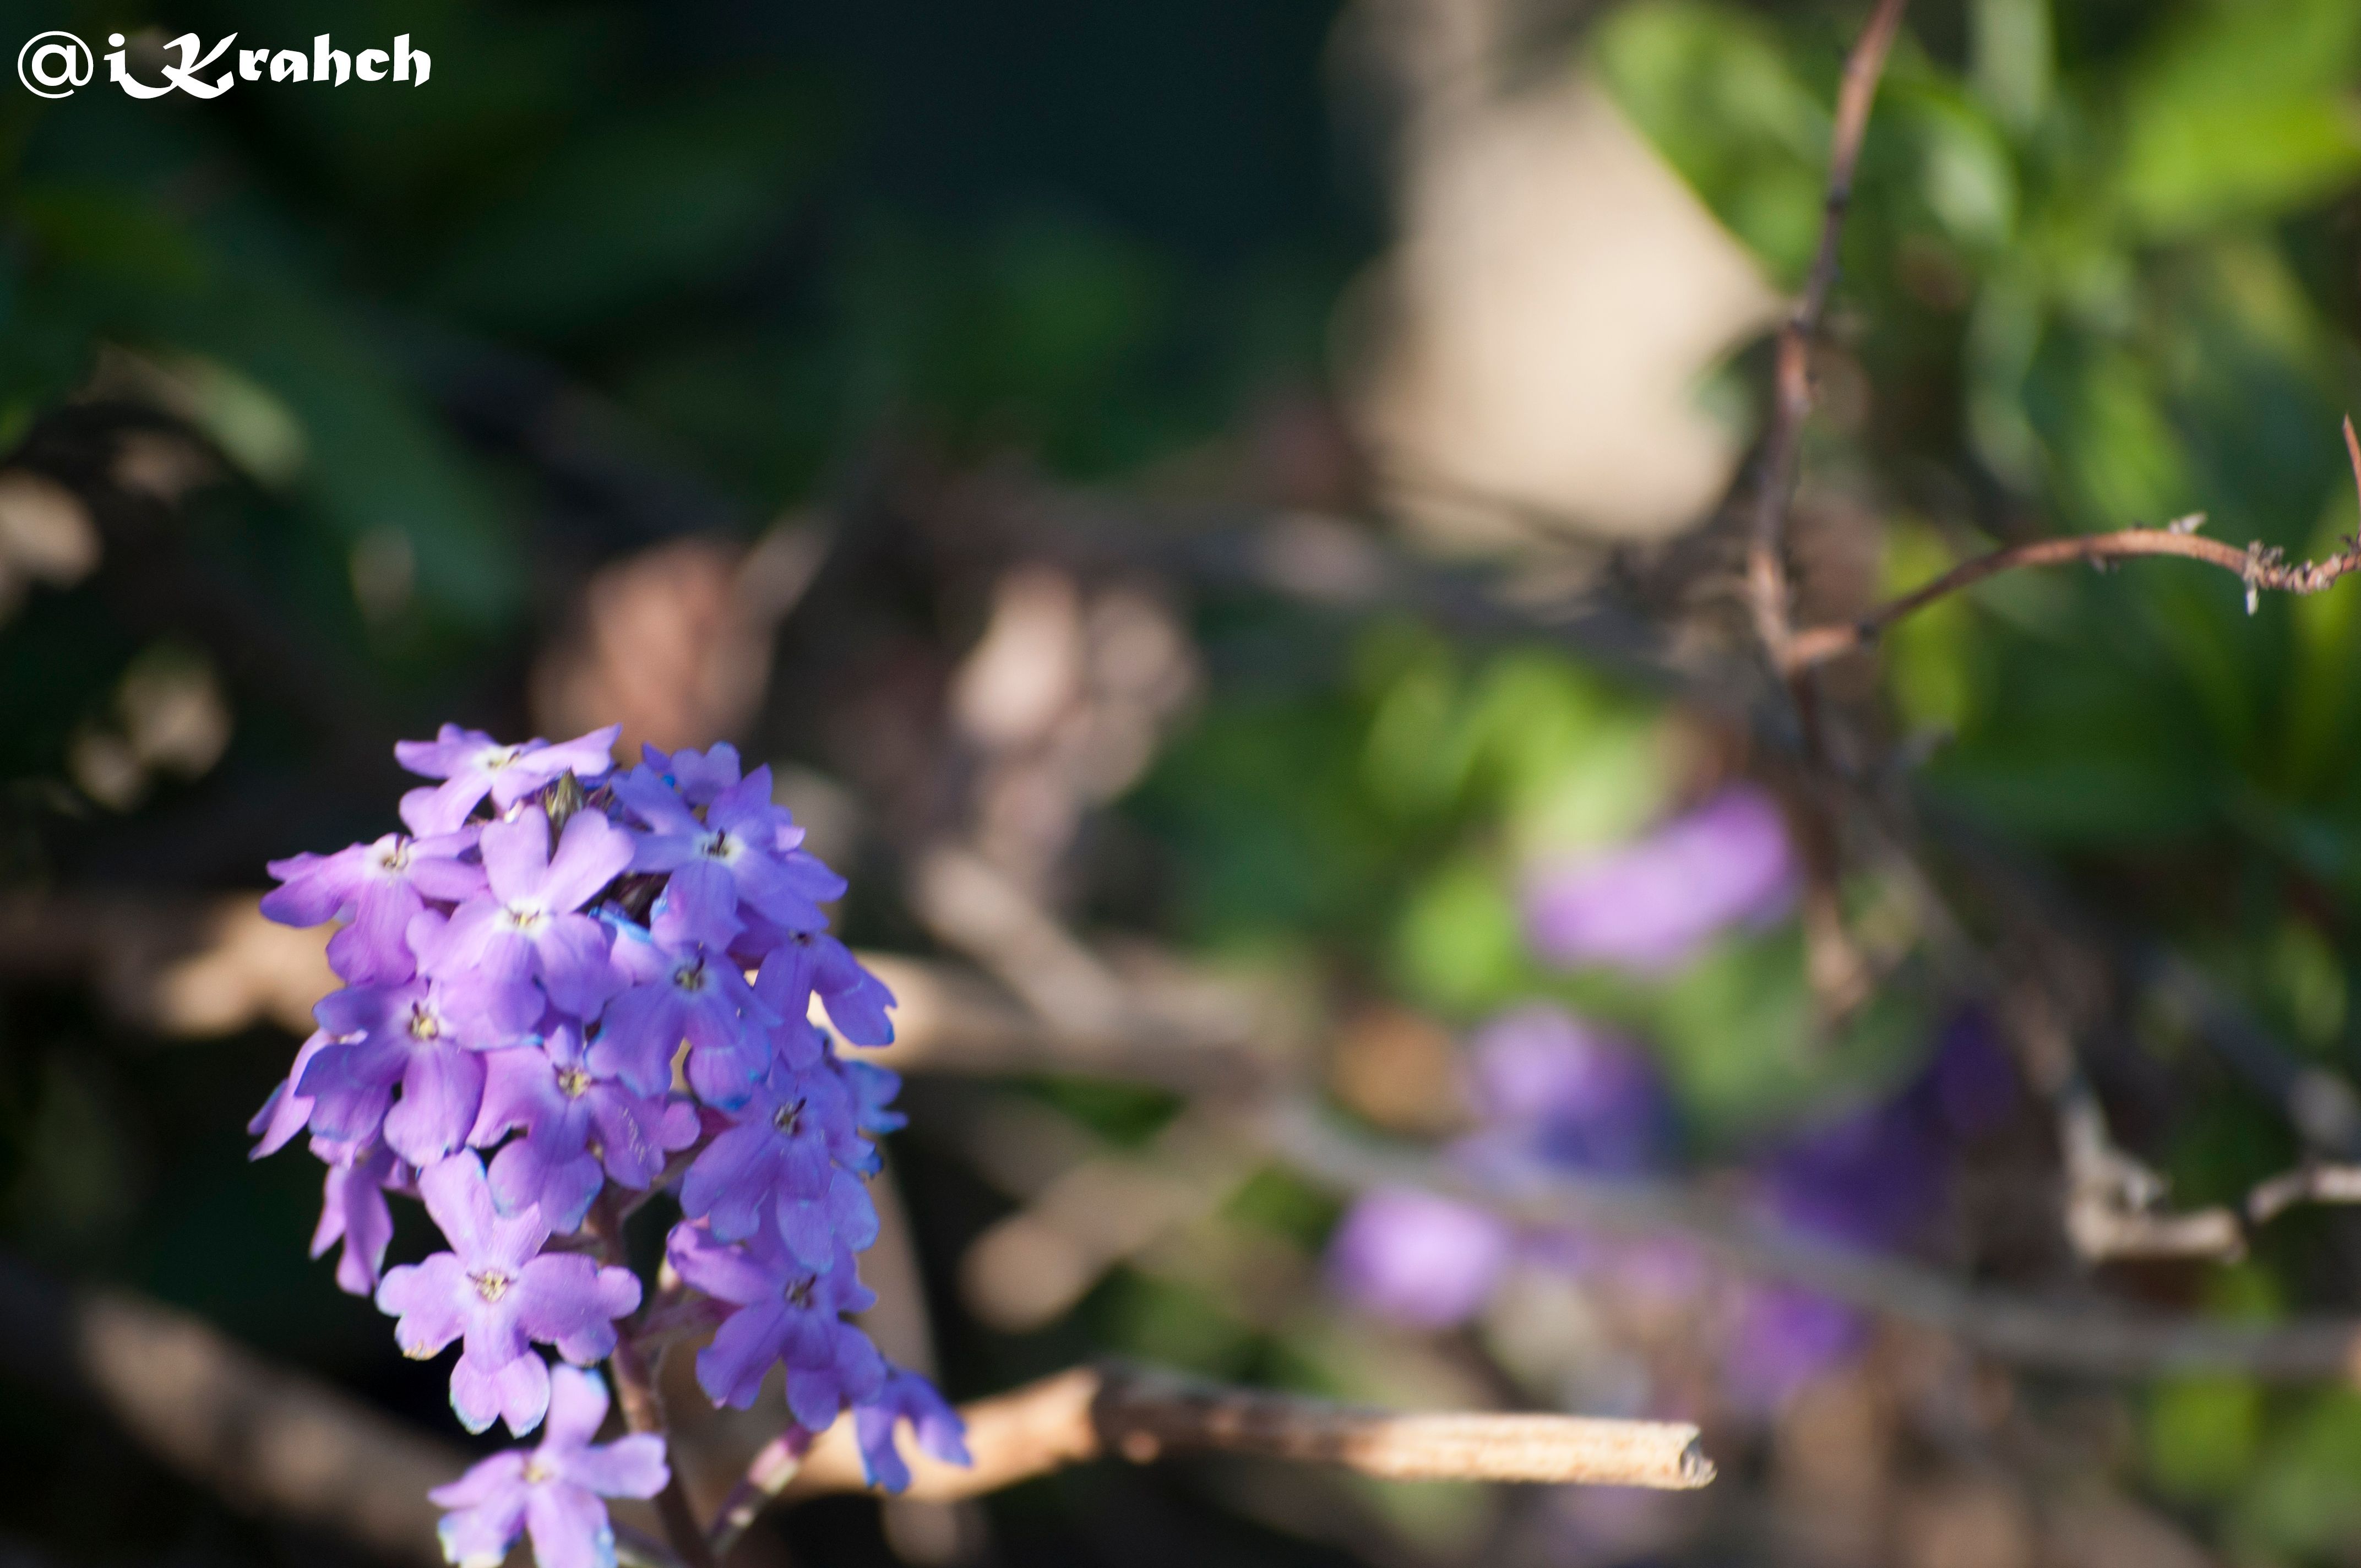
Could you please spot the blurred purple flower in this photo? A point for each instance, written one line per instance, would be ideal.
(473, 765)
(554, 1492)
(1783, 1338)
(1650, 905)
(1417, 1259)
(1567, 1093)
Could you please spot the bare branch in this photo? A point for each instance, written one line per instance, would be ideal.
(1766, 568)
(2305, 1184)
(2255, 566)
(1130, 1413)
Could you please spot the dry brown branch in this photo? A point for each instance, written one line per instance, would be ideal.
(268, 1441)
(2085, 1338)
(2257, 566)
(2112, 1199)
(2305, 1184)
(1089, 1413)
(1766, 568)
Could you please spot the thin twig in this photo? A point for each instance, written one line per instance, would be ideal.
(1766, 567)
(2255, 566)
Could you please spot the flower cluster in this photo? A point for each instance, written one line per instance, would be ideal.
(551, 967)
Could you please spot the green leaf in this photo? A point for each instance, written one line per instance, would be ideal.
(2242, 110)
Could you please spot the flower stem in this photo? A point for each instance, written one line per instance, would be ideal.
(635, 1390)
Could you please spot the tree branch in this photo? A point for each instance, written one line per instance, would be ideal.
(1115, 1412)
(1766, 567)
(2254, 565)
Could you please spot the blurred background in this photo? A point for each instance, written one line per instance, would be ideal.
(1227, 518)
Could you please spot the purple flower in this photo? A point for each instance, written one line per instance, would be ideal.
(1418, 1259)
(804, 962)
(380, 887)
(786, 1313)
(791, 1135)
(472, 764)
(697, 995)
(578, 1130)
(1783, 1338)
(907, 1396)
(1650, 905)
(1567, 1093)
(553, 1493)
(353, 1210)
(498, 1291)
(404, 1034)
(525, 927)
(743, 849)
(1872, 1178)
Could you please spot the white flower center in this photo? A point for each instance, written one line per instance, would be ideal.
(492, 1284)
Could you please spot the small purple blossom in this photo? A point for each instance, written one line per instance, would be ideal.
(353, 1210)
(809, 963)
(553, 1493)
(405, 1034)
(698, 996)
(497, 1291)
(785, 1312)
(526, 928)
(741, 849)
(379, 888)
(783, 1155)
(1418, 1259)
(579, 1131)
(1649, 907)
(907, 1397)
(473, 765)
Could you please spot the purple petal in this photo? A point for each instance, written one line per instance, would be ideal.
(591, 852)
(373, 949)
(578, 1403)
(429, 1300)
(569, 1528)
(629, 1467)
(315, 888)
(488, 1387)
(572, 950)
(460, 1202)
(489, 1507)
(441, 1094)
(567, 1300)
(725, 1273)
(561, 1186)
(642, 1030)
(699, 907)
(731, 1369)
(516, 854)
